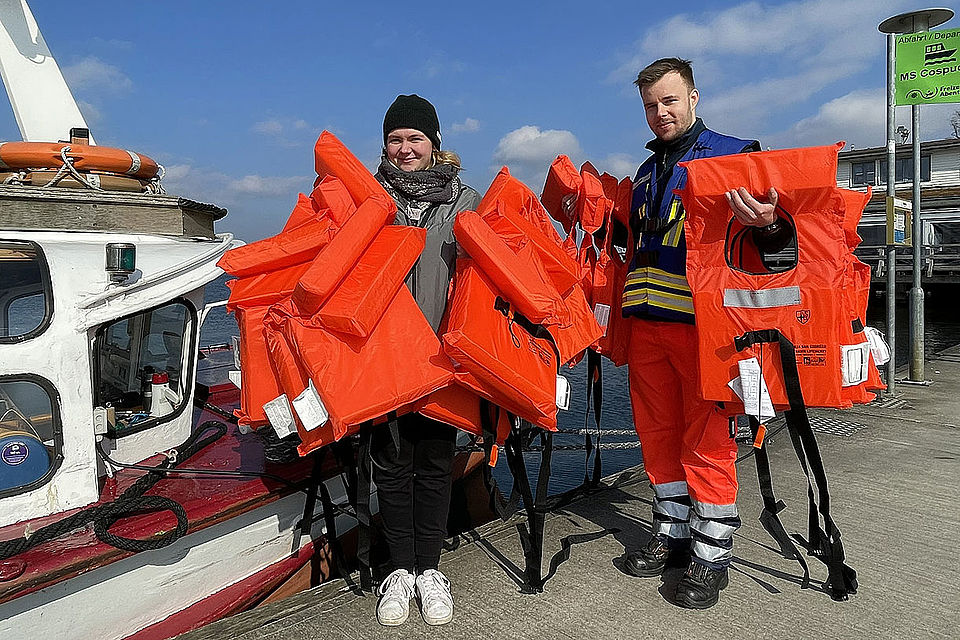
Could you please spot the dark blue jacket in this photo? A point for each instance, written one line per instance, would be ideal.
(656, 286)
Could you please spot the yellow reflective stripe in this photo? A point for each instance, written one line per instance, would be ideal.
(672, 238)
(633, 296)
(674, 209)
(674, 302)
(650, 275)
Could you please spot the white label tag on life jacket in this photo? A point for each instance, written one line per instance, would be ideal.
(752, 389)
(310, 409)
(878, 346)
(280, 416)
(602, 313)
(235, 347)
(235, 377)
(563, 393)
(855, 360)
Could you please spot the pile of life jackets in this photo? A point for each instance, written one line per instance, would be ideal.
(331, 339)
(596, 207)
(518, 310)
(818, 304)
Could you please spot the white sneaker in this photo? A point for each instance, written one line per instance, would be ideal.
(395, 593)
(436, 603)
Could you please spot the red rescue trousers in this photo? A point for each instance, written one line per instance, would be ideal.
(684, 438)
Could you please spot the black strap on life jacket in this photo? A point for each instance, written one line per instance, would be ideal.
(534, 329)
(318, 489)
(594, 392)
(823, 543)
(531, 532)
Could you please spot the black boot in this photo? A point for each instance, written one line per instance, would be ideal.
(700, 586)
(651, 559)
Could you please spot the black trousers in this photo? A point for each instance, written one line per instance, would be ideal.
(413, 489)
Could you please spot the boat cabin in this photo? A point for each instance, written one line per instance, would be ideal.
(101, 302)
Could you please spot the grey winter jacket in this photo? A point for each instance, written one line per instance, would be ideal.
(429, 280)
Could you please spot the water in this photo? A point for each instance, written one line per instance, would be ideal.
(942, 330)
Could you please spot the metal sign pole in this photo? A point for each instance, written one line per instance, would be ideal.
(916, 293)
(910, 22)
(891, 372)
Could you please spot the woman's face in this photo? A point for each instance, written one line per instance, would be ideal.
(409, 149)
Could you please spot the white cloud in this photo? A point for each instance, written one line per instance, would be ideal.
(439, 64)
(254, 185)
(467, 126)
(528, 152)
(268, 127)
(756, 60)
(858, 117)
(620, 165)
(793, 31)
(93, 74)
(286, 131)
(208, 185)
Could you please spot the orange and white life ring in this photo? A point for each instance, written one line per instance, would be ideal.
(83, 157)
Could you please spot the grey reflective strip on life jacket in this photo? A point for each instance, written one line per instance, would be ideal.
(761, 299)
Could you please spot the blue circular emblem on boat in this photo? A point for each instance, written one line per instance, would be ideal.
(14, 453)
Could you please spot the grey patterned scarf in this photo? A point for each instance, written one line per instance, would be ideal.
(439, 183)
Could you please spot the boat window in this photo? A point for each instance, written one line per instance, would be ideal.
(25, 301)
(142, 368)
(30, 434)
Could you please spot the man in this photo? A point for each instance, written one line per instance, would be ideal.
(688, 450)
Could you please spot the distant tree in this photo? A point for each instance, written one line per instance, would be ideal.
(955, 123)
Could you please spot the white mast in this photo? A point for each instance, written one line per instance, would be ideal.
(41, 101)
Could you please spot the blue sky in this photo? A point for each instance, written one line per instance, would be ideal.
(230, 96)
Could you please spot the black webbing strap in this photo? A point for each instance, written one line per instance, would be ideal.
(310, 503)
(534, 329)
(318, 486)
(824, 543)
(489, 418)
(594, 392)
(770, 516)
(362, 506)
(531, 533)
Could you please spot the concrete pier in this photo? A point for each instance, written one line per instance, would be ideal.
(894, 481)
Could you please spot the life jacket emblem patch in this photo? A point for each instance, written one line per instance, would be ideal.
(803, 316)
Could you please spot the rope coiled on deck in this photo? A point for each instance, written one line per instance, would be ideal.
(131, 502)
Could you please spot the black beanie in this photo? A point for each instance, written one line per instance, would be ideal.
(413, 112)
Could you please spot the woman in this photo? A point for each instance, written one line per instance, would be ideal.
(413, 475)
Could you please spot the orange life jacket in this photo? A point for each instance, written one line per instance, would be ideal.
(563, 183)
(268, 271)
(811, 304)
(359, 380)
(495, 356)
(602, 211)
(515, 245)
(609, 268)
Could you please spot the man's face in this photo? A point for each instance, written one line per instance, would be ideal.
(670, 106)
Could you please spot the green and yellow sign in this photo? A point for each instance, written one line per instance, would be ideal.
(928, 67)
